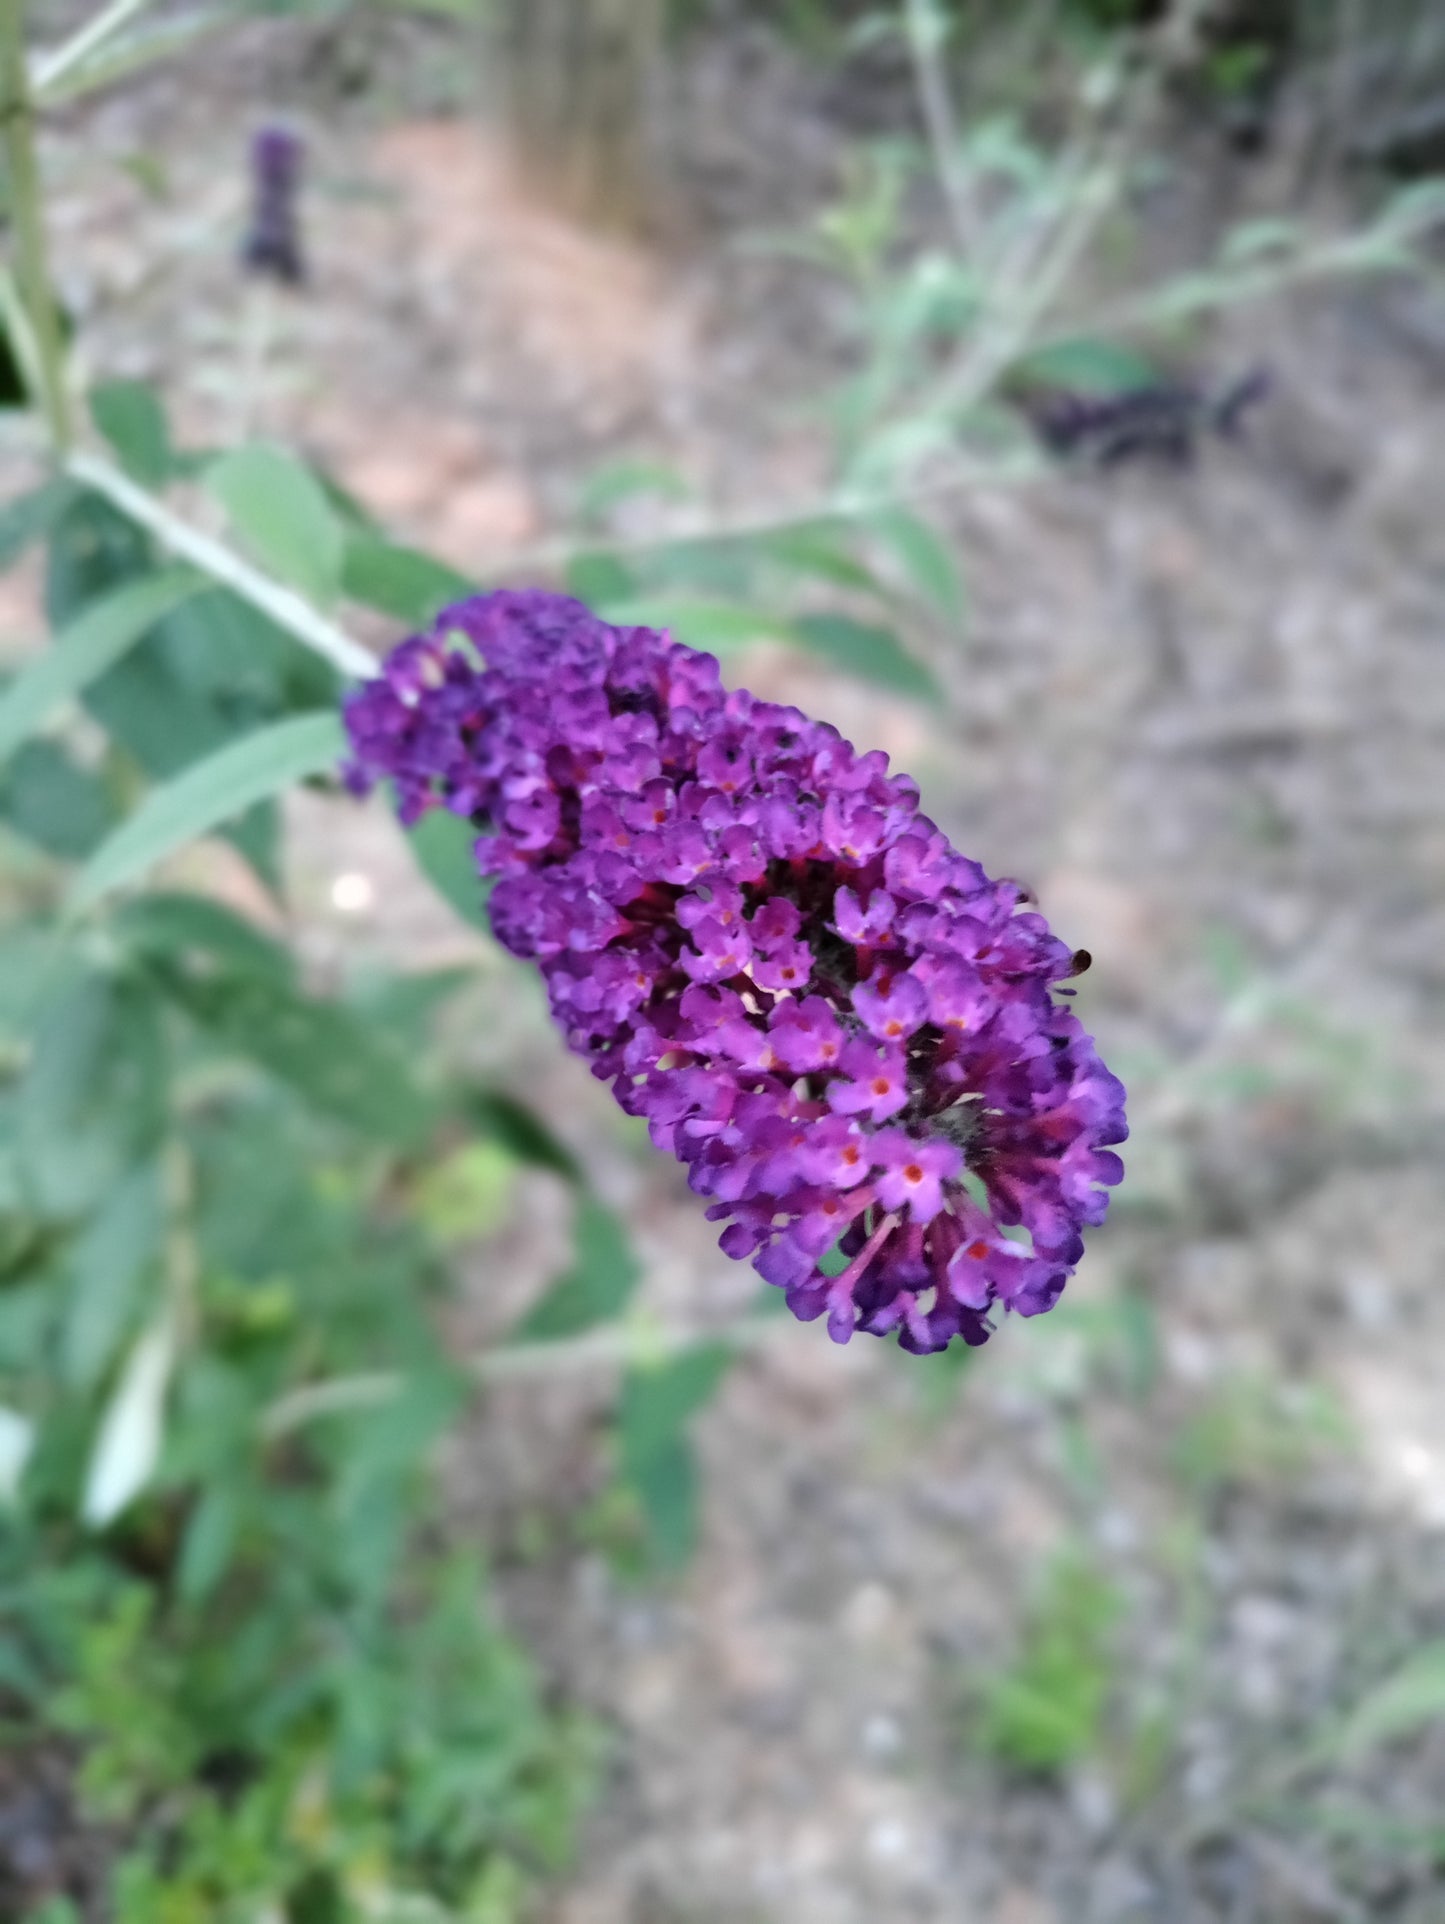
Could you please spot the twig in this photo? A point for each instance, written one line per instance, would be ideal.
(223, 564)
(925, 35)
(851, 504)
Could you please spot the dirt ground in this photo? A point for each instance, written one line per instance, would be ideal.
(1203, 714)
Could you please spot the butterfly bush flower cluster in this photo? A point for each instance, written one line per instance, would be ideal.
(842, 1027)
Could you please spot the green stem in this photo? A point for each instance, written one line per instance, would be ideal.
(926, 31)
(31, 264)
(223, 564)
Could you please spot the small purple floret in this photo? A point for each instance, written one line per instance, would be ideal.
(841, 1026)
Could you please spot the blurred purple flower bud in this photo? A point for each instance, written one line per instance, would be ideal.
(272, 246)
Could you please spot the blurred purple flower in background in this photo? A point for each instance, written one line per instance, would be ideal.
(1162, 422)
(272, 245)
(842, 1026)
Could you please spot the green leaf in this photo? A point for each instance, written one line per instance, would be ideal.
(924, 558)
(209, 1542)
(401, 582)
(104, 1265)
(625, 480)
(655, 1453)
(660, 1399)
(1042, 1712)
(239, 661)
(170, 925)
(406, 1006)
(872, 654)
(92, 1103)
(86, 648)
(601, 578)
(130, 416)
(212, 669)
(1414, 209)
(443, 845)
(190, 687)
(596, 1287)
(92, 548)
(60, 807)
(37, 966)
(207, 794)
(515, 1126)
(1250, 239)
(281, 512)
(1409, 1699)
(714, 626)
(335, 1061)
(666, 1488)
(30, 516)
(823, 549)
(1093, 366)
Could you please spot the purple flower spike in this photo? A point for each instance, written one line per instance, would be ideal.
(272, 245)
(823, 1010)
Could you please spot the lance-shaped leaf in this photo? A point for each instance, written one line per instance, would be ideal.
(83, 651)
(206, 795)
(281, 512)
(339, 1063)
(596, 1287)
(1412, 1696)
(923, 558)
(655, 1449)
(872, 654)
(401, 582)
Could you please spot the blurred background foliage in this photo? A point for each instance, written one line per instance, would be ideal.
(252, 1661)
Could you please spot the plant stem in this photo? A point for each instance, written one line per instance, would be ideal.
(925, 33)
(223, 564)
(32, 270)
(842, 504)
(47, 69)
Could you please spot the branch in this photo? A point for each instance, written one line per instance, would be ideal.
(925, 34)
(223, 564)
